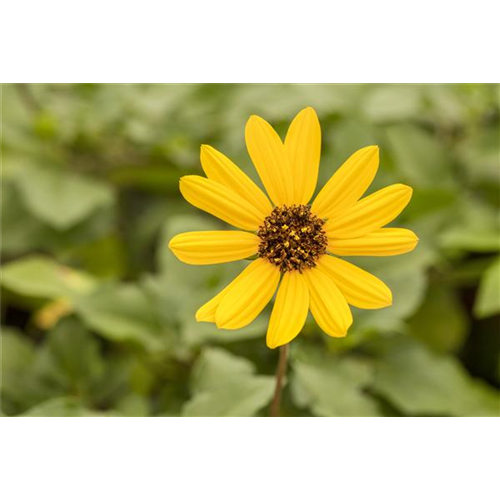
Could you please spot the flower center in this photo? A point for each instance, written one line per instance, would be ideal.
(292, 238)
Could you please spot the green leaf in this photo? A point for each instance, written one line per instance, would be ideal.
(133, 405)
(473, 240)
(117, 380)
(20, 230)
(393, 102)
(38, 276)
(62, 407)
(25, 380)
(215, 366)
(420, 382)
(104, 257)
(480, 155)
(488, 296)
(429, 201)
(18, 354)
(440, 321)
(474, 228)
(225, 385)
(71, 358)
(122, 312)
(420, 157)
(348, 136)
(239, 397)
(333, 386)
(447, 103)
(469, 272)
(58, 197)
(155, 179)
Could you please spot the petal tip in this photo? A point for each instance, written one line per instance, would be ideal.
(402, 190)
(218, 320)
(253, 118)
(224, 325)
(206, 313)
(173, 245)
(372, 148)
(310, 109)
(257, 121)
(271, 345)
(372, 151)
(348, 325)
(405, 187)
(206, 148)
(338, 334)
(274, 345)
(203, 318)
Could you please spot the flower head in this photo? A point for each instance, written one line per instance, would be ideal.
(297, 246)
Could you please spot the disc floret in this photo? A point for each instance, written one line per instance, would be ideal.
(292, 238)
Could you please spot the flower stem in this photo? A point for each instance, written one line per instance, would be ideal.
(280, 373)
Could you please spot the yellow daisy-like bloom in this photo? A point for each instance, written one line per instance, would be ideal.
(294, 242)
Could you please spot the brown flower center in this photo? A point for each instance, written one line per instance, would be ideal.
(292, 238)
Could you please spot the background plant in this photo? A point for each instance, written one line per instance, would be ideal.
(98, 316)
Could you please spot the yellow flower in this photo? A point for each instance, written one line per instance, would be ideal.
(294, 242)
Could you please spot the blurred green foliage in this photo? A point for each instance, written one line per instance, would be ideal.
(98, 316)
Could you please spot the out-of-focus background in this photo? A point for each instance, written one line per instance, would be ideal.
(98, 316)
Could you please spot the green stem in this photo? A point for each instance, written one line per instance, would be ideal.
(280, 373)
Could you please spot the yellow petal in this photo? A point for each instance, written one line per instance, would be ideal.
(220, 201)
(207, 311)
(270, 159)
(360, 288)
(370, 213)
(246, 297)
(348, 183)
(382, 242)
(289, 311)
(213, 247)
(303, 145)
(328, 305)
(221, 169)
